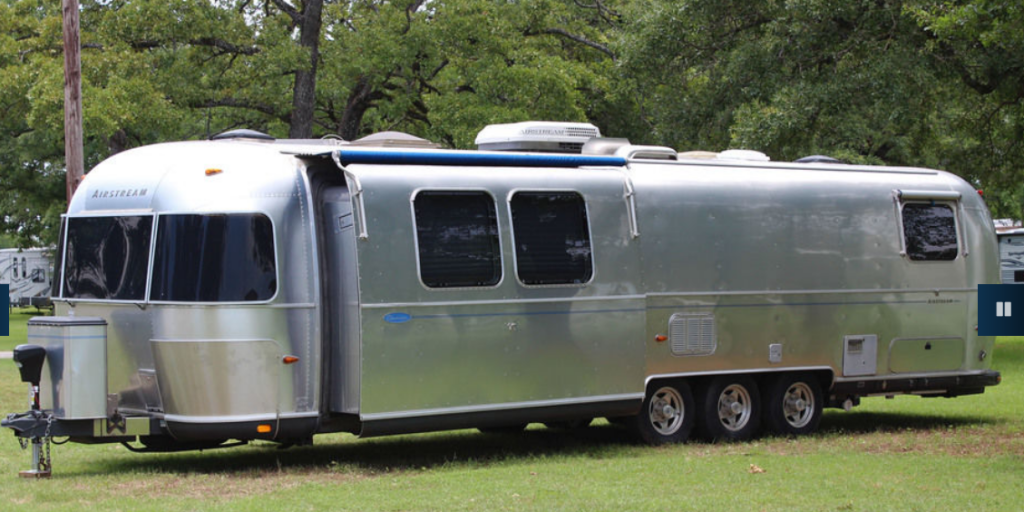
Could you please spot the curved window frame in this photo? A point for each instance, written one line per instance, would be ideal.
(416, 238)
(590, 236)
(953, 207)
(277, 260)
(66, 225)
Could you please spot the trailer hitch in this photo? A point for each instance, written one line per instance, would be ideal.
(29, 359)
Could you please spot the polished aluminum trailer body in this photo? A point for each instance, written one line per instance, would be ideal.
(698, 268)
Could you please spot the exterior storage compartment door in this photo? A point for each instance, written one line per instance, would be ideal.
(925, 355)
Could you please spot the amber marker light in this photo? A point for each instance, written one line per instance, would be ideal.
(289, 359)
(211, 172)
(263, 429)
(661, 338)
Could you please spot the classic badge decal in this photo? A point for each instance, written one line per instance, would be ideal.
(397, 318)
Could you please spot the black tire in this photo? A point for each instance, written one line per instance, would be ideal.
(667, 415)
(569, 424)
(792, 404)
(730, 409)
(503, 429)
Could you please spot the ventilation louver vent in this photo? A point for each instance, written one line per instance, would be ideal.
(692, 335)
(575, 131)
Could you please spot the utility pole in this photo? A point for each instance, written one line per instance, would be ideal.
(73, 152)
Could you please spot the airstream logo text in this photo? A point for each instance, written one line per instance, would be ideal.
(543, 131)
(125, 192)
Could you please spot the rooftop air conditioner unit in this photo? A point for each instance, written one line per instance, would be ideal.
(545, 136)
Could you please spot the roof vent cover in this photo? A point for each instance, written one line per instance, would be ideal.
(394, 140)
(547, 136)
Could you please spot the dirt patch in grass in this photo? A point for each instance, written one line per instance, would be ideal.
(226, 486)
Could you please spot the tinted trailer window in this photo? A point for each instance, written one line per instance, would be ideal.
(214, 258)
(930, 232)
(457, 237)
(107, 258)
(552, 238)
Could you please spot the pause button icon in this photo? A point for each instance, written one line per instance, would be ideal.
(1003, 308)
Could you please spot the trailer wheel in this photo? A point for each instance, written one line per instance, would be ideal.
(731, 409)
(667, 415)
(793, 404)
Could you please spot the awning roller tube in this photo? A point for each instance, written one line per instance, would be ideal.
(936, 195)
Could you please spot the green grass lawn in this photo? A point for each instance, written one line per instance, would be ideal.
(907, 453)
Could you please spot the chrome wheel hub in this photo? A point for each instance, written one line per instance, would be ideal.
(798, 405)
(734, 407)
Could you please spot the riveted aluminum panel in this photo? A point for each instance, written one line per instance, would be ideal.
(464, 349)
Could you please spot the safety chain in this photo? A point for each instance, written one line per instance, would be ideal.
(45, 464)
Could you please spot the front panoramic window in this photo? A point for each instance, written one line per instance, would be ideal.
(552, 238)
(930, 231)
(457, 236)
(214, 258)
(107, 257)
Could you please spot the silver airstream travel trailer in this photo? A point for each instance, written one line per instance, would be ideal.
(246, 288)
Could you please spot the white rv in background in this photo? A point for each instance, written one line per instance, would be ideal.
(27, 272)
(1011, 251)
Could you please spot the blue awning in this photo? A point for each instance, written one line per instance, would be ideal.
(473, 158)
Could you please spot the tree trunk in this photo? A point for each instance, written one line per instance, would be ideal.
(74, 159)
(359, 101)
(304, 93)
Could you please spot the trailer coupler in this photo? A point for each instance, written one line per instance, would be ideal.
(33, 428)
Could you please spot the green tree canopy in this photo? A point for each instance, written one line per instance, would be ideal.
(906, 82)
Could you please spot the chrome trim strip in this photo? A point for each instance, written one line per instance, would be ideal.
(739, 372)
(905, 376)
(220, 419)
(813, 292)
(297, 305)
(291, 415)
(392, 305)
(420, 413)
(238, 418)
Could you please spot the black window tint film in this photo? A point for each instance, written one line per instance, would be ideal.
(214, 258)
(930, 232)
(552, 238)
(107, 258)
(457, 234)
